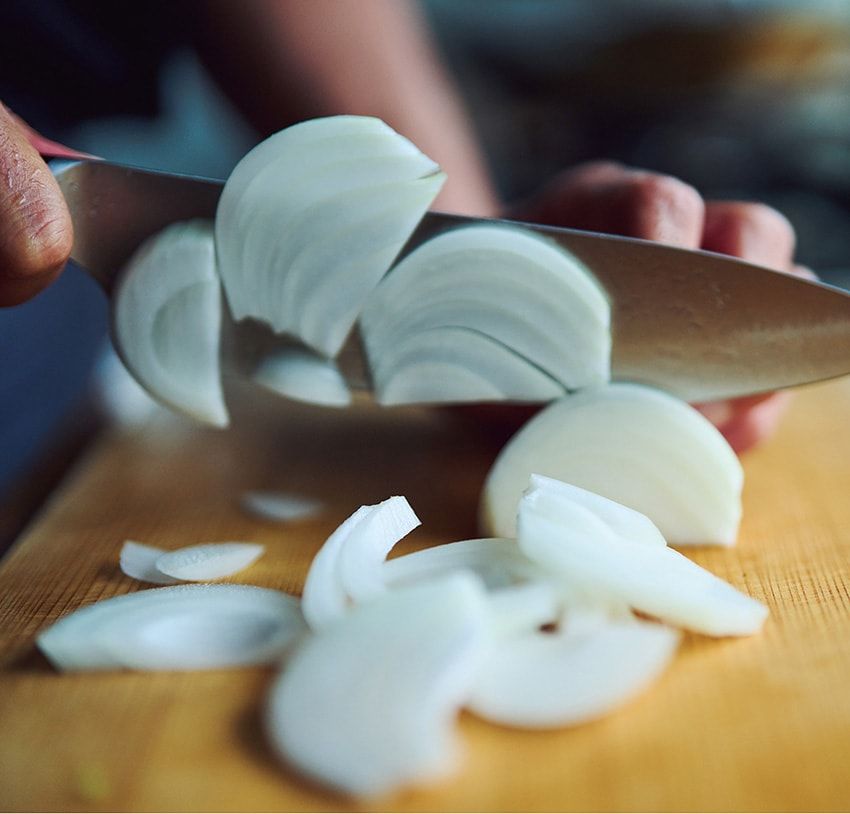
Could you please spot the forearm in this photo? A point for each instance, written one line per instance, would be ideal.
(285, 60)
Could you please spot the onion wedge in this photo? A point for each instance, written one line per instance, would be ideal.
(167, 319)
(301, 375)
(182, 627)
(311, 219)
(282, 507)
(635, 445)
(515, 287)
(368, 704)
(578, 544)
(139, 562)
(208, 560)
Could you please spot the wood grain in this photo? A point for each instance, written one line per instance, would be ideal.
(755, 724)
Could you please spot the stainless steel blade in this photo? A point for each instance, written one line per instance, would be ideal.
(699, 325)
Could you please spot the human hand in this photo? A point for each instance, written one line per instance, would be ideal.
(608, 197)
(36, 234)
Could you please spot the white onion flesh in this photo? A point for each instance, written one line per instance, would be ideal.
(182, 627)
(301, 375)
(635, 445)
(456, 365)
(208, 560)
(311, 219)
(513, 286)
(139, 562)
(167, 319)
(349, 566)
(281, 507)
(577, 543)
(368, 705)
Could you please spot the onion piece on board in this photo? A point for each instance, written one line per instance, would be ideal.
(577, 543)
(182, 627)
(349, 564)
(208, 560)
(506, 283)
(368, 705)
(632, 444)
(303, 376)
(139, 562)
(167, 319)
(282, 507)
(311, 219)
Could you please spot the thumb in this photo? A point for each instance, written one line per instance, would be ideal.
(36, 234)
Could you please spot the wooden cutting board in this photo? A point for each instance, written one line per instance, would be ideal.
(752, 724)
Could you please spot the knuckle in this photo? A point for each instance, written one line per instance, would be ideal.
(655, 191)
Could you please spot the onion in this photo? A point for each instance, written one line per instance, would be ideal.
(310, 220)
(167, 317)
(349, 565)
(208, 560)
(301, 375)
(632, 444)
(283, 507)
(368, 704)
(514, 287)
(578, 543)
(139, 562)
(183, 627)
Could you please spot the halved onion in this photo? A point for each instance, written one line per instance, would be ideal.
(368, 704)
(513, 286)
(283, 507)
(301, 375)
(167, 319)
(577, 543)
(348, 567)
(182, 627)
(635, 445)
(208, 560)
(311, 219)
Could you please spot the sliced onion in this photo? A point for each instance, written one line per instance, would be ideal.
(635, 445)
(139, 562)
(578, 544)
(311, 219)
(167, 319)
(349, 565)
(183, 627)
(208, 560)
(368, 704)
(570, 676)
(301, 375)
(283, 507)
(456, 365)
(513, 286)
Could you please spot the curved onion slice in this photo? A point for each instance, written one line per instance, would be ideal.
(183, 627)
(349, 565)
(367, 705)
(572, 675)
(513, 286)
(208, 560)
(301, 375)
(456, 365)
(139, 562)
(283, 507)
(577, 543)
(167, 318)
(634, 445)
(311, 219)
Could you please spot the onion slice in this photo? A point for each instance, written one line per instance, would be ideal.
(301, 375)
(635, 445)
(182, 627)
(282, 507)
(519, 289)
(208, 560)
(310, 220)
(139, 562)
(167, 319)
(577, 543)
(368, 704)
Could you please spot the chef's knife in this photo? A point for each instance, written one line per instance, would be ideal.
(699, 325)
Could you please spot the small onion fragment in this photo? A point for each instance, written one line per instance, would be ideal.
(577, 543)
(283, 507)
(311, 219)
(508, 284)
(139, 562)
(635, 445)
(208, 560)
(303, 376)
(167, 319)
(182, 627)
(368, 704)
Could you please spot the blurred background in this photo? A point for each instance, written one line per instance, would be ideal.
(745, 99)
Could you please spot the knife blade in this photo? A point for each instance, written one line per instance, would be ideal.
(699, 325)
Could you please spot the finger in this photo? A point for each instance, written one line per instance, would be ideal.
(610, 198)
(751, 231)
(749, 426)
(35, 227)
